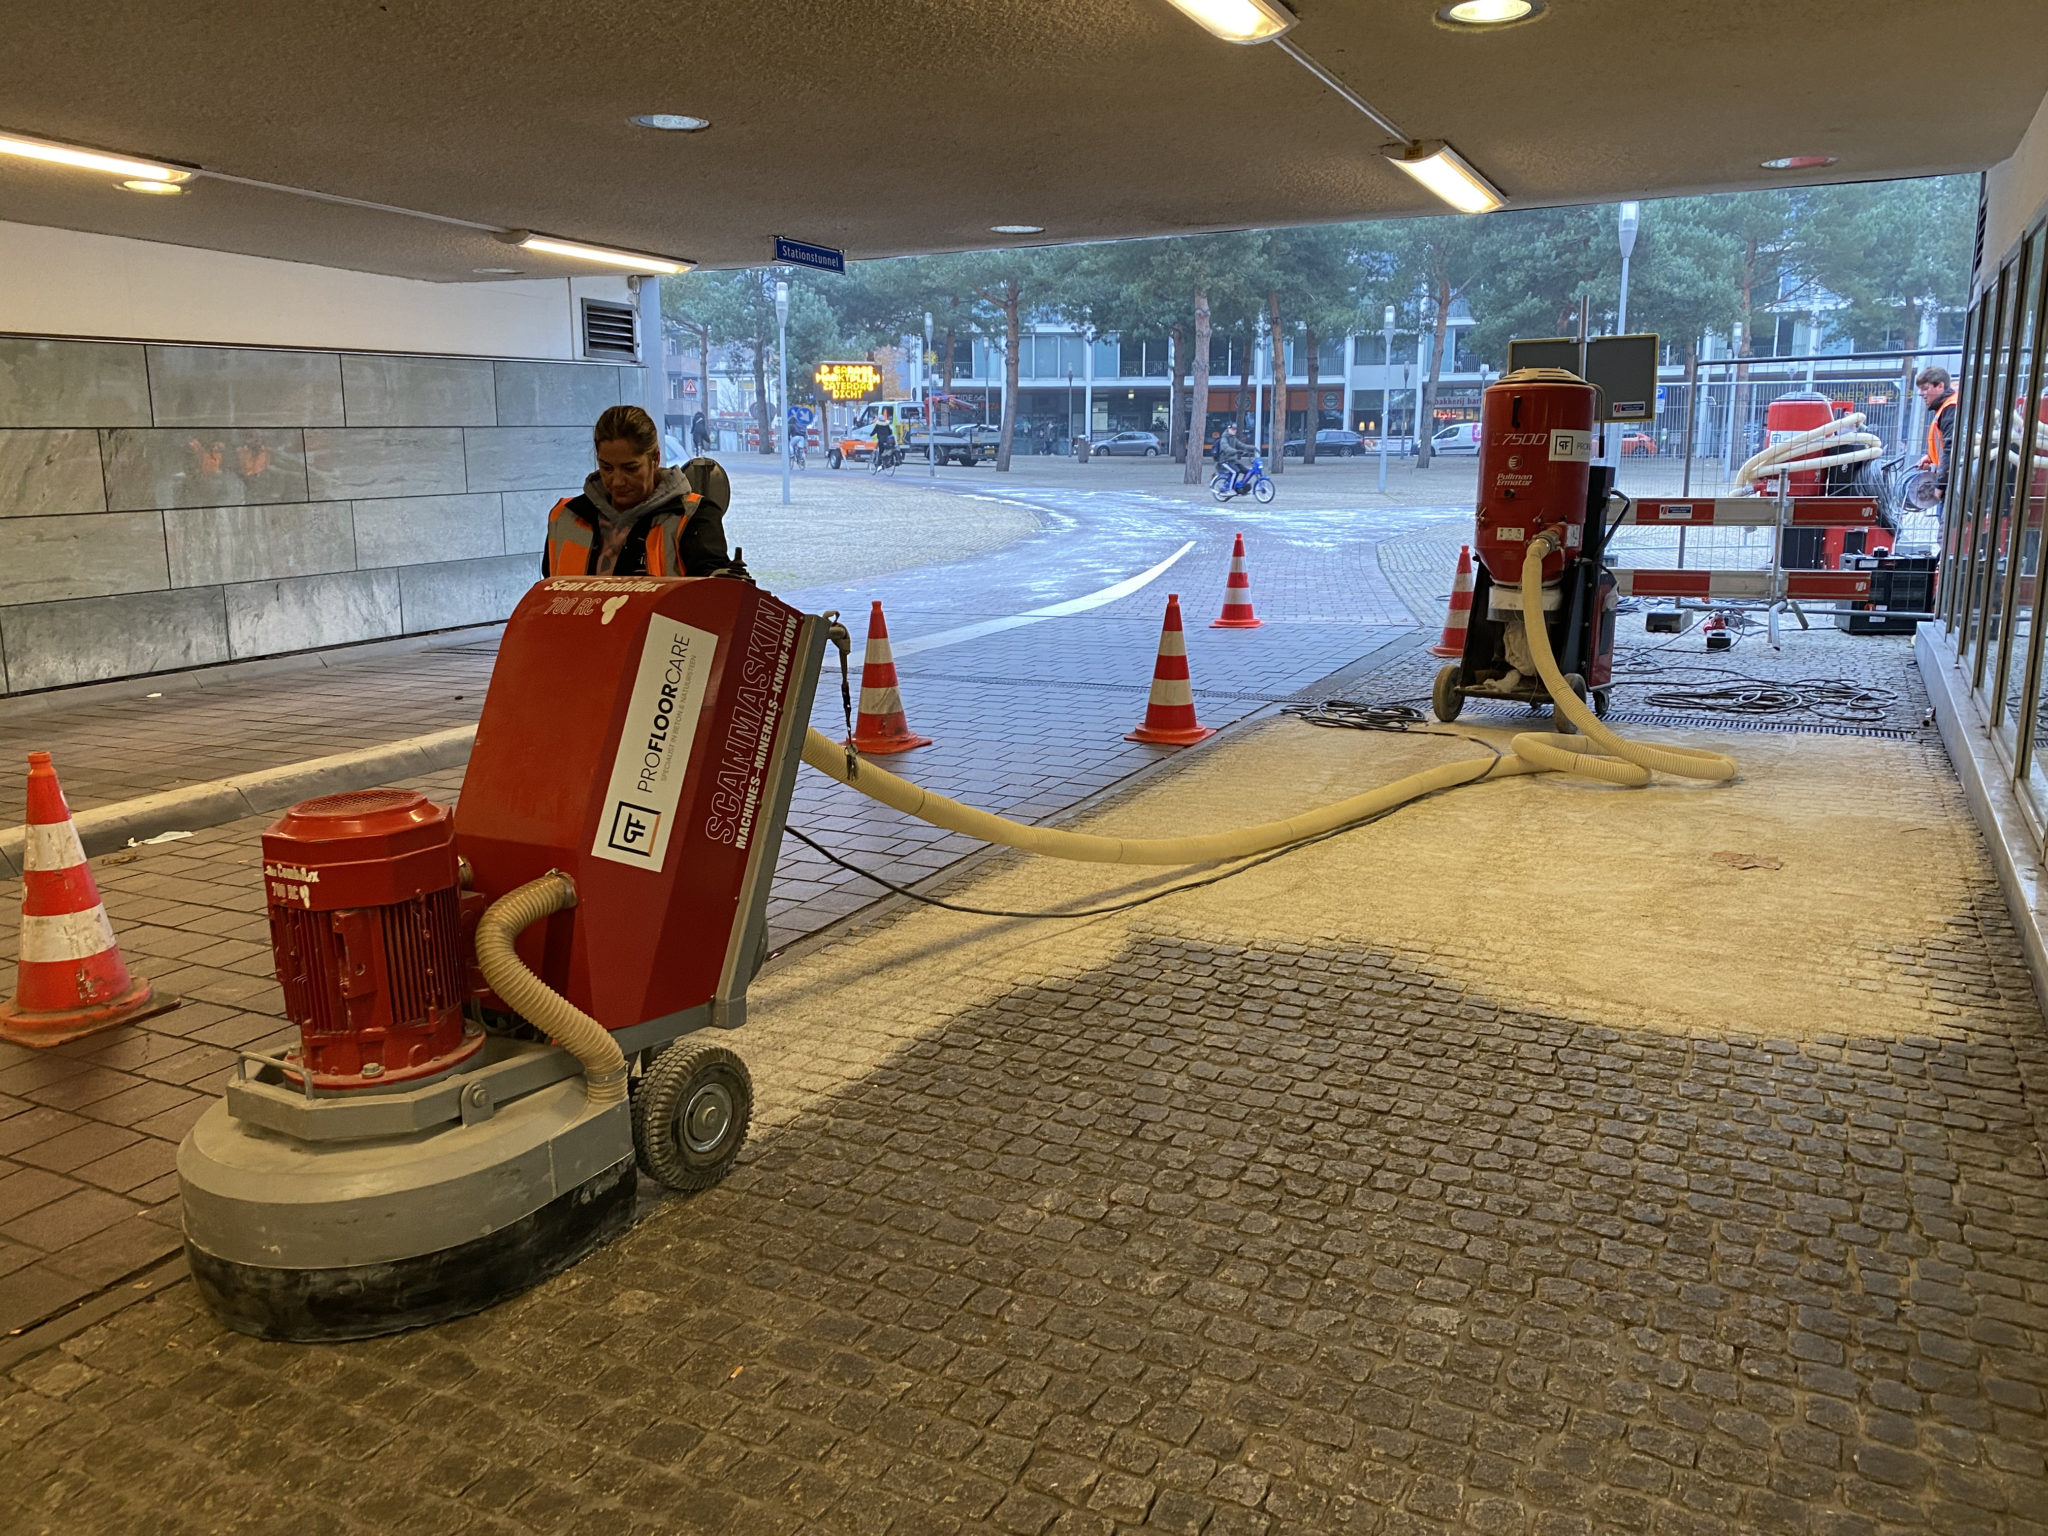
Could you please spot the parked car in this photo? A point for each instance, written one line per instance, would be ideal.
(1637, 444)
(1138, 444)
(1459, 437)
(1331, 443)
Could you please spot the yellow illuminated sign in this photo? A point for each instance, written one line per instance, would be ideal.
(849, 381)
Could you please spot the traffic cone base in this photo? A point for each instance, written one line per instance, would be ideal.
(1237, 595)
(882, 728)
(70, 977)
(1459, 616)
(141, 1001)
(1170, 711)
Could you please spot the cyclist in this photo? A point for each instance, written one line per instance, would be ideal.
(885, 444)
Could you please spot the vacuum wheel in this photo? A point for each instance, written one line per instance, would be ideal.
(1600, 702)
(690, 1114)
(1446, 698)
(1559, 721)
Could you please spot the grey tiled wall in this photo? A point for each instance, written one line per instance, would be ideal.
(176, 506)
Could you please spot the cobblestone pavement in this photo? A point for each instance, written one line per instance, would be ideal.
(1228, 1217)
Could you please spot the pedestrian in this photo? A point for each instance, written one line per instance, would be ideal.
(700, 433)
(638, 516)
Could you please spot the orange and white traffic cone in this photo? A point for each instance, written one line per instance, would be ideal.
(1170, 713)
(70, 979)
(1237, 595)
(1459, 615)
(881, 728)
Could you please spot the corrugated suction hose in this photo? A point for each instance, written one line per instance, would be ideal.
(1599, 754)
(604, 1066)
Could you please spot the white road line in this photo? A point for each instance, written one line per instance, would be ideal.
(1072, 605)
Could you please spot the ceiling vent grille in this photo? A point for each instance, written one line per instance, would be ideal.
(609, 332)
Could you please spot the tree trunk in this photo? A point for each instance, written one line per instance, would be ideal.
(704, 385)
(761, 392)
(1276, 408)
(1198, 390)
(1012, 340)
(1176, 406)
(1309, 339)
(946, 373)
(1425, 423)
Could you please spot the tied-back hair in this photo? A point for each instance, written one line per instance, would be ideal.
(627, 424)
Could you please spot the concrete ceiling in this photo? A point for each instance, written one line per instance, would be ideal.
(914, 126)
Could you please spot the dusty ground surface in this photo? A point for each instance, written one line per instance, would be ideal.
(1511, 1166)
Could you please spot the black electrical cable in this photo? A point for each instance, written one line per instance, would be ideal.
(1834, 699)
(1172, 890)
(1347, 714)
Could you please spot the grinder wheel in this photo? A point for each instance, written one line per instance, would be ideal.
(690, 1114)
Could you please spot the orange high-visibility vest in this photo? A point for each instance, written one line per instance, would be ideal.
(572, 540)
(1934, 429)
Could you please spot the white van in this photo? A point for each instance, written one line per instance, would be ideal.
(1460, 437)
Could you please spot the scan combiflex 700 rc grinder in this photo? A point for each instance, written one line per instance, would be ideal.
(425, 1151)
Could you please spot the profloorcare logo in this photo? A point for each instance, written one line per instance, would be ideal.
(653, 755)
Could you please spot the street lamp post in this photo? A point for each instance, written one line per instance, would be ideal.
(1386, 392)
(931, 426)
(1631, 215)
(782, 376)
(1262, 365)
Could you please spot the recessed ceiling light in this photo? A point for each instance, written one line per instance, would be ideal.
(496, 271)
(670, 122)
(155, 188)
(1017, 229)
(89, 159)
(1240, 21)
(1489, 13)
(1799, 162)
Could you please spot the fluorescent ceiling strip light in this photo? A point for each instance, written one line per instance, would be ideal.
(1240, 21)
(629, 259)
(1446, 173)
(89, 159)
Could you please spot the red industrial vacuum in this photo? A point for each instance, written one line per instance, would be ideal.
(426, 1150)
(1536, 471)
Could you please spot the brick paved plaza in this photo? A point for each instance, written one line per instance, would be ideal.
(1439, 1178)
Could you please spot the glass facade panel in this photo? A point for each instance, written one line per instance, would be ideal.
(1984, 416)
(2014, 553)
(1967, 378)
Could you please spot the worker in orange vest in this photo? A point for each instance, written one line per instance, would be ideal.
(638, 516)
(1938, 394)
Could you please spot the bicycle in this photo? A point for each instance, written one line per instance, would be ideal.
(885, 460)
(797, 457)
(1250, 480)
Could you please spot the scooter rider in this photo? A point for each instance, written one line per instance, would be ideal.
(1230, 451)
(638, 516)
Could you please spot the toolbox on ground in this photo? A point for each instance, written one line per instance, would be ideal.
(1899, 585)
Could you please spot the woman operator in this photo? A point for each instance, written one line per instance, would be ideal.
(638, 516)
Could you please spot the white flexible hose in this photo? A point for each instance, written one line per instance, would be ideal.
(1599, 754)
(1840, 440)
(604, 1065)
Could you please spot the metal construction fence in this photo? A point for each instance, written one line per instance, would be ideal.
(1720, 412)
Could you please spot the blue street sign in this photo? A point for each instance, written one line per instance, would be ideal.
(1660, 397)
(802, 415)
(820, 258)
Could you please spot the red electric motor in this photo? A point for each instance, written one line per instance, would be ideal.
(365, 925)
(1536, 440)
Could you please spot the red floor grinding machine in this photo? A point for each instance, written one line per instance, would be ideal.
(1536, 471)
(425, 1151)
